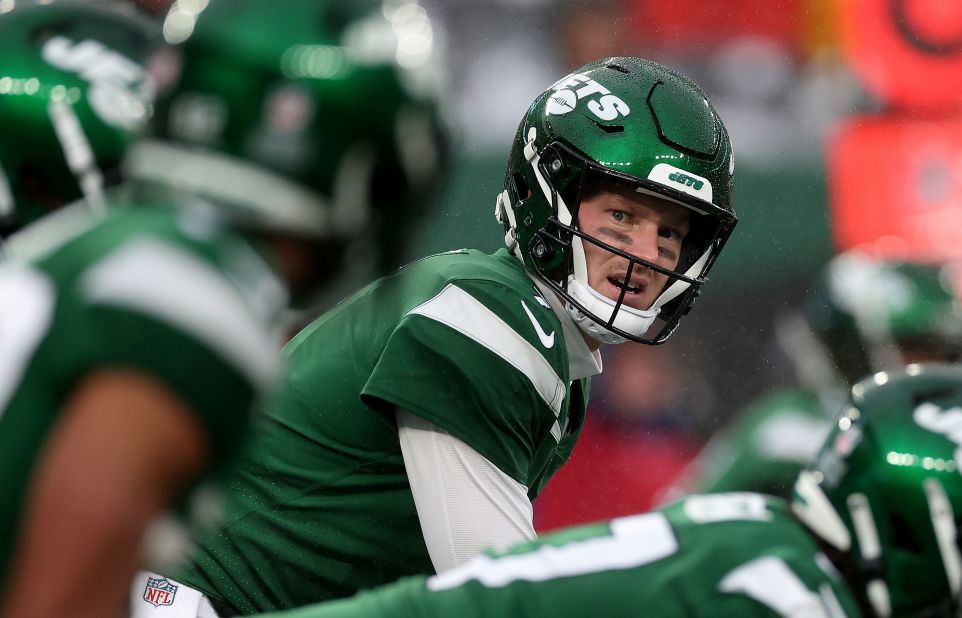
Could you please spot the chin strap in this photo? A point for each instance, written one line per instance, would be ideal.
(504, 213)
(628, 319)
(814, 509)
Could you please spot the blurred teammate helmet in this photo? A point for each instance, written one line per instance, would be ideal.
(73, 95)
(872, 315)
(311, 119)
(886, 491)
(623, 120)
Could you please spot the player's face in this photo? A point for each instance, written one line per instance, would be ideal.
(643, 225)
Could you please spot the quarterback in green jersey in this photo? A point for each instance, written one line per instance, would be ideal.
(420, 417)
(861, 316)
(142, 322)
(872, 530)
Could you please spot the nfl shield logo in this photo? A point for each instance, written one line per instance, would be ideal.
(159, 591)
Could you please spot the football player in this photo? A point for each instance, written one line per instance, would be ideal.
(872, 530)
(139, 325)
(861, 316)
(419, 418)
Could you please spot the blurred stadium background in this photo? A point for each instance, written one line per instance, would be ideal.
(846, 124)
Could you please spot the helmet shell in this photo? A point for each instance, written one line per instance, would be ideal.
(897, 446)
(867, 313)
(74, 81)
(318, 99)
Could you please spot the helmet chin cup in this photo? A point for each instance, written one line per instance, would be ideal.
(600, 309)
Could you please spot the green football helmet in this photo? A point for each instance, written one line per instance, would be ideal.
(868, 316)
(885, 491)
(624, 120)
(73, 95)
(317, 120)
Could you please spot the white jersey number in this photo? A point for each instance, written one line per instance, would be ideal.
(634, 541)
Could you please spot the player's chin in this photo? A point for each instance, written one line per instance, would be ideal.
(640, 303)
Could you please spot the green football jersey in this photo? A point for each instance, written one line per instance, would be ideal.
(155, 290)
(322, 506)
(739, 555)
(764, 447)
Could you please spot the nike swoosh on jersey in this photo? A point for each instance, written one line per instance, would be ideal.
(546, 339)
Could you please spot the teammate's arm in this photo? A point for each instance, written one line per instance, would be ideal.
(124, 447)
(464, 502)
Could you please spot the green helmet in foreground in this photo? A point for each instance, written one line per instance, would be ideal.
(309, 119)
(73, 95)
(631, 121)
(863, 315)
(886, 491)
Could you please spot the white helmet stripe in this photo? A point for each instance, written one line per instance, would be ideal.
(871, 549)
(564, 213)
(580, 262)
(78, 153)
(6, 196)
(865, 531)
(943, 522)
(817, 512)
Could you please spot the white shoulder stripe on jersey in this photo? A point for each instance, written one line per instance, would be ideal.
(459, 310)
(634, 541)
(169, 284)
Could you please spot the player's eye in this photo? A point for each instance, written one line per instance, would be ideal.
(673, 234)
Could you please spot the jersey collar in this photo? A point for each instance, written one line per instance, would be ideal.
(582, 362)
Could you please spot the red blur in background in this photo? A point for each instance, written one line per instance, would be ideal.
(895, 187)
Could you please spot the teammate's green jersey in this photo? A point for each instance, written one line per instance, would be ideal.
(322, 506)
(739, 555)
(764, 447)
(154, 290)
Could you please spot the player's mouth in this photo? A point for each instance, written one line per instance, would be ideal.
(633, 291)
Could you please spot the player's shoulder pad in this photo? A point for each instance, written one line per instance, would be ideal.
(225, 299)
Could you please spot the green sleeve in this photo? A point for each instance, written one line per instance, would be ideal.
(475, 373)
(404, 599)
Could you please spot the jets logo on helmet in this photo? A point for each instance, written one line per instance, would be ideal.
(687, 182)
(575, 87)
(944, 422)
(120, 91)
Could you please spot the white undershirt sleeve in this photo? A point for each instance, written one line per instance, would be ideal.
(464, 502)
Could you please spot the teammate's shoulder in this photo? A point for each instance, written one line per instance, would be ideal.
(790, 405)
(725, 506)
(176, 267)
(730, 519)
